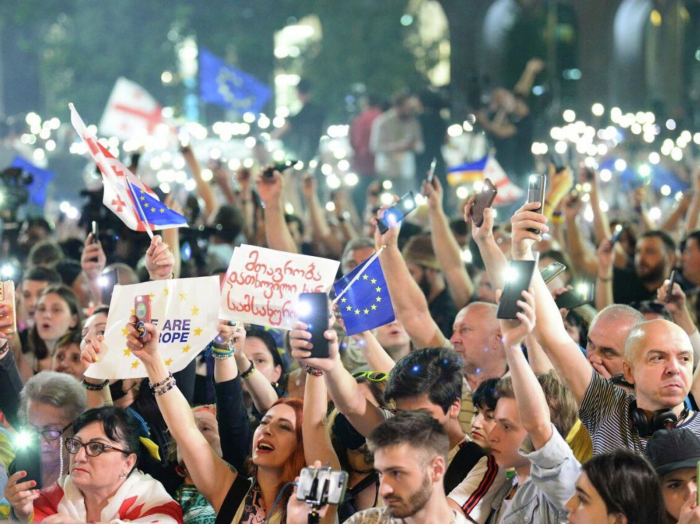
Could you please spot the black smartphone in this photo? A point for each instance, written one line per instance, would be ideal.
(431, 172)
(552, 271)
(536, 188)
(313, 311)
(483, 199)
(581, 294)
(279, 166)
(617, 234)
(556, 159)
(672, 279)
(95, 237)
(107, 282)
(28, 457)
(517, 280)
(397, 212)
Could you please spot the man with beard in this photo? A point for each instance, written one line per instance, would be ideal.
(410, 454)
(425, 270)
(654, 257)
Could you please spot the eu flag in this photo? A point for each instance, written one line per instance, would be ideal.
(153, 211)
(42, 177)
(226, 86)
(366, 303)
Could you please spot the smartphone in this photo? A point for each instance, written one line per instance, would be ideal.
(7, 298)
(536, 188)
(582, 294)
(397, 212)
(552, 271)
(142, 310)
(483, 200)
(95, 236)
(431, 172)
(28, 458)
(313, 311)
(673, 278)
(268, 172)
(556, 159)
(518, 280)
(574, 195)
(617, 234)
(108, 280)
(322, 486)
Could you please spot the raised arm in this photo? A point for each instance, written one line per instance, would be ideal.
(600, 219)
(344, 391)
(495, 261)
(581, 254)
(319, 225)
(276, 231)
(316, 435)
(564, 353)
(534, 412)
(446, 249)
(410, 304)
(203, 188)
(160, 260)
(604, 283)
(93, 261)
(677, 305)
(10, 381)
(210, 473)
(375, 355)
(261, 391)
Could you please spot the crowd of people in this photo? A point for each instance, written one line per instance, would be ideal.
(447, 414)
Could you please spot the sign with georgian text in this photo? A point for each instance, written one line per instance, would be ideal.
(262, 285)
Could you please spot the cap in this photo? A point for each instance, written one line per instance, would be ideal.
(419, 251)
(672, 449)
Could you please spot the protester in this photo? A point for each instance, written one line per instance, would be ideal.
(104, 483)
(66, 357)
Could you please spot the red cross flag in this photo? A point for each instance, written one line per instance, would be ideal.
(131, 112)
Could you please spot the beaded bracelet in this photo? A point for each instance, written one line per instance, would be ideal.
(314, 371)
(162, 390)
(95, 387)
(249, 372)
(161, 383)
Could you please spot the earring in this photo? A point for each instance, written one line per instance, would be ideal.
(122, 476)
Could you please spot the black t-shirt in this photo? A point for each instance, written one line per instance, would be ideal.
(627, 287)
(443, 311)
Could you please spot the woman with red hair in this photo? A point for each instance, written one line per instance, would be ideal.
(279, 443)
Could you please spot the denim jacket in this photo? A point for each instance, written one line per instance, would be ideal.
(541, 498)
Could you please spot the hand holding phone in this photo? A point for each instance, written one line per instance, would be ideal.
(536, 193)
(7, 299)
(142, 311)
(618, 234)
(397, 212)
(518, 280)
(28, 457)
(581, 295)
(484, 199)
(431, 172)
(322, 486)
(672, 280)
(313, 311)
(552, 271)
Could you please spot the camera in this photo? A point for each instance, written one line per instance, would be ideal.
(13, 191)
(322, 486)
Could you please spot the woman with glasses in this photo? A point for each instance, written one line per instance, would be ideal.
(103, 484)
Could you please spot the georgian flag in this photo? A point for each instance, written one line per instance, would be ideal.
(132, 112)
(125, 194)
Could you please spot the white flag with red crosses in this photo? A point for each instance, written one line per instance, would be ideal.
(131, 112)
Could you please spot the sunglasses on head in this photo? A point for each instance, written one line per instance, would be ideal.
(372, 376)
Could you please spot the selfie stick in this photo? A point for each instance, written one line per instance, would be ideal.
(357, 277)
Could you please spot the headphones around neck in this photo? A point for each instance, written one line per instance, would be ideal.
(647, 424)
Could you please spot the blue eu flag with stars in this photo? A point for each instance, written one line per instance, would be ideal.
(154, 212)
(226, 86)
(366, 304)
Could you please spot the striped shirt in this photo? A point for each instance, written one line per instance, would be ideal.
(605, 414)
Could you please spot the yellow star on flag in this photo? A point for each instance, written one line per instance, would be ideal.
(143, 198)
(366, 311)
(373, 281)
(133, 312)
(364, 277)
(197, 332)
(195, 311)
(169, 361)
(125, 331)
(357, 311)
(183, 297)
(374, 307)
(162, 210)
(127, 352)
(379, 299)
(135, 364)
(378, 289)
(343, 300)
(186, 348)
(166, 292)
(152, 295)
(349, 308)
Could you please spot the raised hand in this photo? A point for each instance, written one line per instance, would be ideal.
(485, 231)
(605, 258)
(434, 193)
(299, 339)
(159, 259)
(21, 495)
(270, 188)
(522, 221)
(93, 258)
(147, 349)
(391, 237)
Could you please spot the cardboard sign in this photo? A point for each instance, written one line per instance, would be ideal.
(184, 310)
(262, 285)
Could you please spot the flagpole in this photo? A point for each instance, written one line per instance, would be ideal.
(359, 274)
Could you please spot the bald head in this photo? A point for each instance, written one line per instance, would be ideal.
(647, 335)
(485, 311)
(618, 313)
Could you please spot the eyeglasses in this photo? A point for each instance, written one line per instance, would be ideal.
(51, 434)
(92, 449)
(372, 376)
